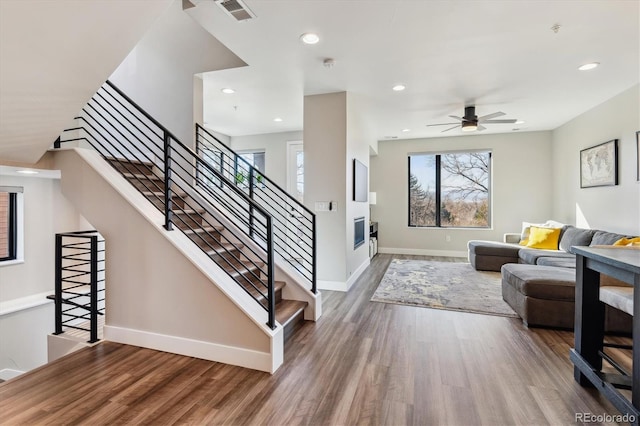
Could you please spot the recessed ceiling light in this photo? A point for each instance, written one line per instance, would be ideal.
(28, 172)
(589, 66)
(520, 122)
(399, 87)
(227, 91)
(406, 130)
(310, 38)
(277, 119)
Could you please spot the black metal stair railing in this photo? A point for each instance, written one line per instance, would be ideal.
(164, 170)
(79, 282)
(294, 225)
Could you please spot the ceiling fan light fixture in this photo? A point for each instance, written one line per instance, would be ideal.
(468, 126)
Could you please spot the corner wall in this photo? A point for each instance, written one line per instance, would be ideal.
(611, 208)
(521, 190)
(159, 73)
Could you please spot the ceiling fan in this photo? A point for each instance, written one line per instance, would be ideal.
(471, 122)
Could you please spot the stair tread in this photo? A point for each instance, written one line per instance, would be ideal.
(141, 176)
(286, 310)
(216, 228)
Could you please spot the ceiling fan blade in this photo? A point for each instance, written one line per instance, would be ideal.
(451, 128)
(490, 116)
(442, 124)
(500, 121)
(456, 117)
(481, 127)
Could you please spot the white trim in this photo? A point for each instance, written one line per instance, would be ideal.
(423, 252)
(24, 303)
(344, 286)
(8, 373)
(196, 348)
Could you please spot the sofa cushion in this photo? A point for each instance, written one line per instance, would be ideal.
(573, 236)
(602, 238)
(493, 248)
(542, 282)
(530, 256)
(560, 262)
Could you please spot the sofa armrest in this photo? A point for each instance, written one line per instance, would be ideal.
(511, 237)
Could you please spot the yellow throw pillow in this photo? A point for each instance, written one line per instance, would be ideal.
(544, 238)
(627, 241)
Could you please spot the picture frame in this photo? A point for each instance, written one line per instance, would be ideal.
(599, 165)
(638, 155)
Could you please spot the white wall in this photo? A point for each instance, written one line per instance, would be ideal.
(325, 170)
(42, 44)
(521, 190)
(26, 316)
(334, 134)
(274, 146)
(46, 212)
(359, 137)
(158, 74)
(612, 208)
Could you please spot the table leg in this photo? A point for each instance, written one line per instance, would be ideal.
(589, 320)
(635, 395)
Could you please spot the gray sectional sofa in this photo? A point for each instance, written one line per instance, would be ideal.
(539, 285)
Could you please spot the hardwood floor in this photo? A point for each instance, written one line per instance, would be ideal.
(362, 363)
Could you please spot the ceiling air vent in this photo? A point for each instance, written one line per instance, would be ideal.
(236, 8)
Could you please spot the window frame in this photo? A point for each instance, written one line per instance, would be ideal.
(15, 228)
(438, 189)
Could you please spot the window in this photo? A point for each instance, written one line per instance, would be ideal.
(9, 223)
(450, 189)
(255, 159)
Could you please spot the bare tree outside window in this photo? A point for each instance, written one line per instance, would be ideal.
(463, 190)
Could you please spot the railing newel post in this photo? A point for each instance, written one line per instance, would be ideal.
(251, 212)
(313, 255)
(58, 285)
(93, 304)
(168, 212)
(270, 279)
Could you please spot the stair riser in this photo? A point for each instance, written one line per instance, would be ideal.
(231, 256)
(277, 293)
(293, 325)
(186, 222)
(159, 203)
(153, 185)
(209, 241)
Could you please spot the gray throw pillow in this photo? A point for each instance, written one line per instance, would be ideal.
(573, 236)
(602, 238)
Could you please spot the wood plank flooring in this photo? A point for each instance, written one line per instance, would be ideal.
(362, 363)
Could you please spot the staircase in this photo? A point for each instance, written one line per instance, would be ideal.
(210, 236)
(239, 228)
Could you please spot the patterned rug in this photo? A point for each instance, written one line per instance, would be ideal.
(442, 285)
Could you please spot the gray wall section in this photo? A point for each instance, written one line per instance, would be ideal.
(614, 208)
(521, 189)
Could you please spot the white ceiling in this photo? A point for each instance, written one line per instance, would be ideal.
(497, 55)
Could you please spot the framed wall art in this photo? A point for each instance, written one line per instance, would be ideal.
(599, 165)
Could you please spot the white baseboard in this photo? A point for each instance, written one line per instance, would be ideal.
(423, 252)
(242, 357)
(7, 373)
(344, 285)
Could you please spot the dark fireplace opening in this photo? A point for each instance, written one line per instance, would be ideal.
(358, 232)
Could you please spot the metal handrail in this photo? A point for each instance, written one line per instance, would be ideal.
(117, 127)
(203, 137)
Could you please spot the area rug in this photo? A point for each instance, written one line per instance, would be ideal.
(442, 285)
